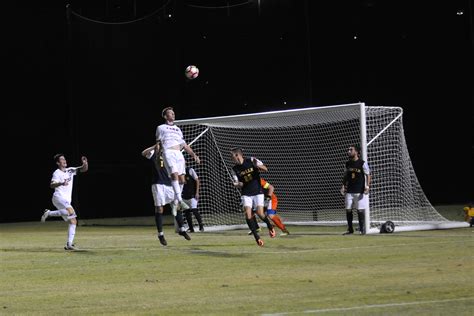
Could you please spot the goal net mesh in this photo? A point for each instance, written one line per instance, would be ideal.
(305, 151)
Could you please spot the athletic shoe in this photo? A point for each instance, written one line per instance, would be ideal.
(70, 247)
(260, 242)
(162, 240)
(272, 232)
(185, 235)
(190, 230)
(285, 232)
(201, 228)
(258, 230)
(349, 232)
(45, 215)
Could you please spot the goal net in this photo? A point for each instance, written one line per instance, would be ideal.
(305, 151)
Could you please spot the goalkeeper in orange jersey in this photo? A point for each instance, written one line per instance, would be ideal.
(270, 206)
(469, 214)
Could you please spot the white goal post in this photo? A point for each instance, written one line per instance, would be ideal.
(305, 151)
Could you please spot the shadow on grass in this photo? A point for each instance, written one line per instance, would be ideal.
(48, 250)
(216, 253)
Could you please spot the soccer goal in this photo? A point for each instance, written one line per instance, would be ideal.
(305, 151)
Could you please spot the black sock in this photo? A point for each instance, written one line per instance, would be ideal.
(198, 216)
(189, 219)
(349, 220)
(266, 221)
(361, 216)
(179, 219)
(254, 219)
(159, 221)
(251, 223)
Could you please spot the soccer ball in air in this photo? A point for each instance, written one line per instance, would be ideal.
(191, 72)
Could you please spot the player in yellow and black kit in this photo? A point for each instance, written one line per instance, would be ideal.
(355, 187)
(246, 176)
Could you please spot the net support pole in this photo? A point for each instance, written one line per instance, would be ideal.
(363, 146)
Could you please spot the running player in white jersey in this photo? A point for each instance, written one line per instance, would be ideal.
(62, 183)
(170, 138)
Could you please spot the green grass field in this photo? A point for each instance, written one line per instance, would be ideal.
(123, 270)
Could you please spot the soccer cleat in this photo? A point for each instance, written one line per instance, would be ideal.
(285, 232)
(70, 247)
(185, 235)
(348, 232)
(45, 215)
(162, 240)
(272, 232)
(183, 206)
(260, 242)
(258, 230)
(190, 230)
(201, 228)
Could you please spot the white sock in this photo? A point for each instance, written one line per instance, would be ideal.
(177, 190)
(71, 233)
(61, 212)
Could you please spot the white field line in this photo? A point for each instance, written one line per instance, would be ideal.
(344, 309)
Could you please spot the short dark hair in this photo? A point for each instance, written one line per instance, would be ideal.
(237, 150)
(357, 148)
(57, 156)
(163, 113)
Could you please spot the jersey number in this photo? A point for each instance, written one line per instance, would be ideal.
(248, 178)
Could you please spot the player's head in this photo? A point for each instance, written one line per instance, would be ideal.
(60, 160)
(168, 113)
(354, 151)
(237, 154)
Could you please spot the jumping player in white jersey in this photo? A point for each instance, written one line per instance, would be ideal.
(62, 183)
(170, 138)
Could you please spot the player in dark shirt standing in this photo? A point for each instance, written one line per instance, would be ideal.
(191, 197)
(246, 176)
(162, 193)
(355, 187)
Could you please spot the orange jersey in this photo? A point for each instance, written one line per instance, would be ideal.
(273, 197)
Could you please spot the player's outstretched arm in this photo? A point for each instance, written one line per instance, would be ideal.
(190, 151)
(85, 164)
(148, 152)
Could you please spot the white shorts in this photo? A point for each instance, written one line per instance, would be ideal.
(192, 203)
(162, 194)
(174, 162)
(359, 201)
(252, 201)
(61, 203)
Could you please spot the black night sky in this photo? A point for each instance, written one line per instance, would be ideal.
(93, 83)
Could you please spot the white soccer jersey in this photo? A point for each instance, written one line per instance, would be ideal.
(169, 136)
(59, 176)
